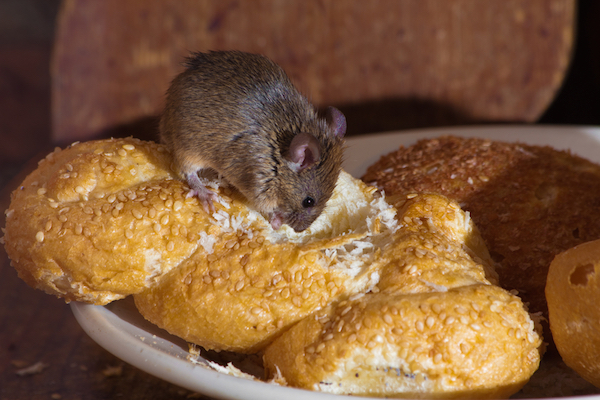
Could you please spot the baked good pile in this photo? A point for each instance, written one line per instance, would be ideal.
(372, 299)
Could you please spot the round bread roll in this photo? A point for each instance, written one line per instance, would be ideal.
(369, 300)
(573, 293)
(434, 326)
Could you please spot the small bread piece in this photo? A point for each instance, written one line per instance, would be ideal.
(434, 327)
(94, 221)
(573, 293)
(529, 202)
(252, 282)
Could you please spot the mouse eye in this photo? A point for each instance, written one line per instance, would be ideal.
(308, 202)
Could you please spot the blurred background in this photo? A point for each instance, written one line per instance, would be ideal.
(27, 34)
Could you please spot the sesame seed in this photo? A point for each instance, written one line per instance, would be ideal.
(128, 234)
(387, 318)
(519, 334)
(449, 320)
(239, 285)
(178, 205)
(420, 326)
(48, 225)
(460, 310)
(430, 321)
(170, 246)
(39, 236)
(465, 348)
(129, 147)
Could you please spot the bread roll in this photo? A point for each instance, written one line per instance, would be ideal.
(434, 326)
(573, 293)
(95, 222)
(253, 282)
(409, 291)
(529, 202)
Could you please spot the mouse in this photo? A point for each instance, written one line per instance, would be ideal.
(240, 115)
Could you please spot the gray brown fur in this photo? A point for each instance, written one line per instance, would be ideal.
(237, 114)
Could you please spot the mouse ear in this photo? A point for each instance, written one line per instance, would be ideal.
(304, 152)
(336, 121)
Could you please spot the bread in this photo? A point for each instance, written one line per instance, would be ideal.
(435, 326)
(573, 293)
(529, 202)
(103, 220)
(83, 226)
(254, 282)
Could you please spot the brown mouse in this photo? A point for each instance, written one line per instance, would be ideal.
(240, 115)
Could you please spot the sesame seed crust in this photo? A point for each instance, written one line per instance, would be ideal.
(435, 325)
(403, 296)
(529, 202)
(78, 217)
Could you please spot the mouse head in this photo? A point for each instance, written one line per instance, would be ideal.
(314, 163)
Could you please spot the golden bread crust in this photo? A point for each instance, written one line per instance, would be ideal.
(433, 327)
(94, 222)
(103, 220)
(573, 296)
(256, 283)
(529, 202)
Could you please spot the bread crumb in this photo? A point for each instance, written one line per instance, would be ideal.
(112, 371)
(36, 368)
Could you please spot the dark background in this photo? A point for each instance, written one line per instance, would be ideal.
(26, 33)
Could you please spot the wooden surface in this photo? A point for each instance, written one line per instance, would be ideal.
(428, 62)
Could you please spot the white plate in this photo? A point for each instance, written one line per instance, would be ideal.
(121, 330)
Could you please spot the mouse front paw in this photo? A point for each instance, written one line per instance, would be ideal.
(198, 189)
